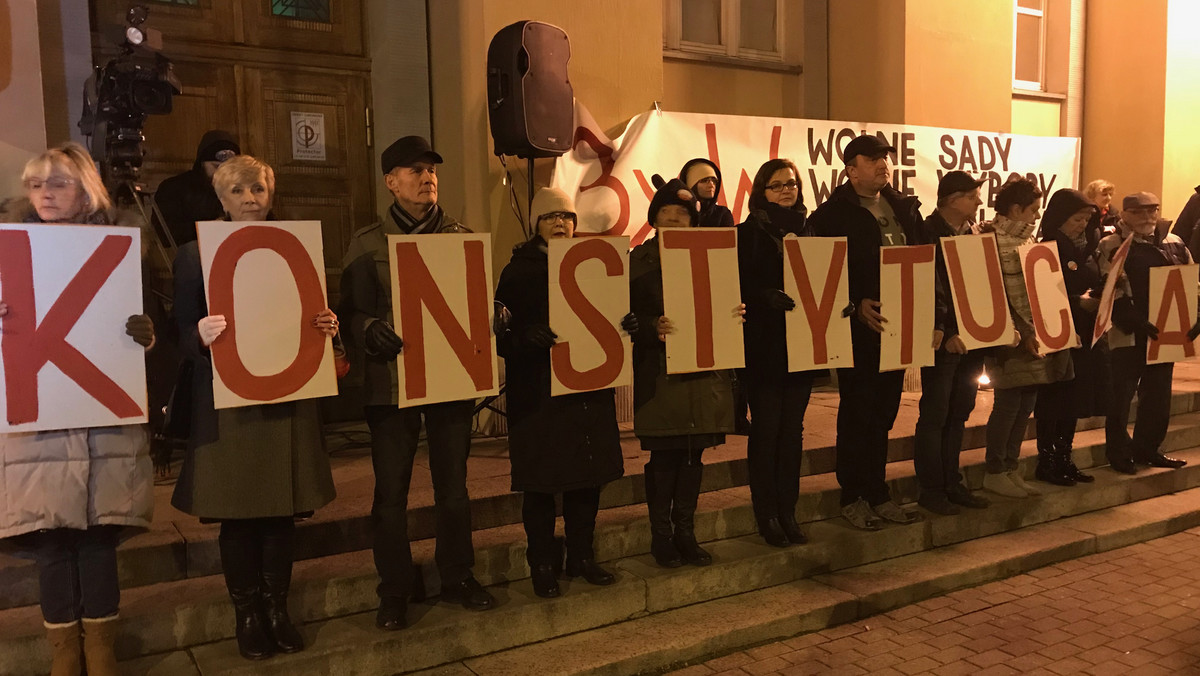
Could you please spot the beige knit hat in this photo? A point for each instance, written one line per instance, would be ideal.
(548, 201)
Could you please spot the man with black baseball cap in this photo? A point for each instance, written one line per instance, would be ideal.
(948, 387)
(410, 171)
(870, 214)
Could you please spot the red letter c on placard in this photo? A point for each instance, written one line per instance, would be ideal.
(226, 359)
(1050, 341)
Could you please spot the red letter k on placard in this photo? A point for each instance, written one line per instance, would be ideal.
(26, 347)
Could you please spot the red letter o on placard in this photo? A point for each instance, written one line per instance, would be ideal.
(226, 359)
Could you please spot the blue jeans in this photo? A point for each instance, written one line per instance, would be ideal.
(1006, 427)
(77, 572)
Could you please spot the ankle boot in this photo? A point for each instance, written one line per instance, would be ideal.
(683, 514)
(1064, 448)
(98, 639)
(660, 488)
(66, 649)
(242, 565)
(277, 580)
(1049, 466)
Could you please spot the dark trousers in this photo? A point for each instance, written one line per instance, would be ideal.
(948, 391)
(773, 452)
(579, 509)
(1152, 384)
(1011, 407)
(77, 572)
(255, 550)
(1053, 414)
(394, 436)
(869, 401)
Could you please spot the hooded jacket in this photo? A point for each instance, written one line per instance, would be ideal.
(189, 197)
(712, 215)
(1080, 268)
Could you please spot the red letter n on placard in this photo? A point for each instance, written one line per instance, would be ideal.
(596, 304)
(27, 347)
(429, 373)
(701, 311)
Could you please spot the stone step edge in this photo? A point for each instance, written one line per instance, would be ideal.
(845, 598)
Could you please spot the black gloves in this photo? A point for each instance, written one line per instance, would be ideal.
(381, 339)
(539, 335)
(778, 300)
(630, 323)
(1147, 329)
(1194, 331)
(141, 329)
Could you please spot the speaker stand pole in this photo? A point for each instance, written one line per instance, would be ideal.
(529, 213)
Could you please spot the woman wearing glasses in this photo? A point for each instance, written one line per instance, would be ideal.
(67, 497)
(778, 399)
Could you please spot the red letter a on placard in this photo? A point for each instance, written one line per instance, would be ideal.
(27, 347)
(1174, 297)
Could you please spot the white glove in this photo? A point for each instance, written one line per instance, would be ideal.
(210, 327)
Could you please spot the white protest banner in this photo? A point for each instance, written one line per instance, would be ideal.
(1048, 302)
(609, 179)
(814, 275)
(906, 297)
(442, 305)
(65, 361)
(1173, 310)
(589, 295)
(700, 297)
(977, 290)
(268, 279)
(1109, 295)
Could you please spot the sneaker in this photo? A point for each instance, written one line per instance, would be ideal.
(961, 495)
(938, 503)
(891, 511)
(1019, 482)
(859, 514)
(1001, 484)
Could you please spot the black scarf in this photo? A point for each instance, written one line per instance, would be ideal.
(429, 223)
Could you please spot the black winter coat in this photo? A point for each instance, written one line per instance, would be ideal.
(760, 267)
(933, 230)
(556, 444)
(842, 215)
(185, 199)
(1086, 394)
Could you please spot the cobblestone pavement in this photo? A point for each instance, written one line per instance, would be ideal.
(1131, 611)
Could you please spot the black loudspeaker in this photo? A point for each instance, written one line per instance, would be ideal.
(531, 105)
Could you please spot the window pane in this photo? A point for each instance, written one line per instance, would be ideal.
(1027, 45)
(758, 25)
(702, 21)
(307, 10)
(1030, 4)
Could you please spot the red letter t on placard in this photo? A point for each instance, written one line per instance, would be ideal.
(906, 257)
(698, 243)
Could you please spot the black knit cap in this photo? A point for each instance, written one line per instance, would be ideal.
(213, 142)
(672, 192)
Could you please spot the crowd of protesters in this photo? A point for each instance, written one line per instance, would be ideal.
(255, 469)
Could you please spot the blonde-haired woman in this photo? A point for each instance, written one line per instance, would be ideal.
(252, 469)
(1100, 192)
(67, 497)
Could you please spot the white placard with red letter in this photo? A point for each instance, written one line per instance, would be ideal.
(442, 307)
(906, 296)
(977, 290)
(65, 361)
(700, 296)
(268, 279)
(589, 295)
(815, 276)
(1048, 301)
(1173, 310)
(1109, 294)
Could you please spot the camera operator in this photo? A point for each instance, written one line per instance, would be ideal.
(189, 197)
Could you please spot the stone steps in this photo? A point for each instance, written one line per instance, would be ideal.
(190, 621)
(188, 549)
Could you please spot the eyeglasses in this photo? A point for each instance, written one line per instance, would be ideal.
(557, 216)
(52, 183)
(780, 187)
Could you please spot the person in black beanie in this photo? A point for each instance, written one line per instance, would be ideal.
(778, 398)
(189, 197)
(676, 416)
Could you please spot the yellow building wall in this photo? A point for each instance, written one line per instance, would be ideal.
(697, 87)
(866, 60)
(1033, 117)
(1181, 147)
(22, 119)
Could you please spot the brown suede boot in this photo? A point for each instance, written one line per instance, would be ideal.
(98, 638)
(67, 651)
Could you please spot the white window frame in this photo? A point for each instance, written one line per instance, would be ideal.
(1038, 85)
(731, 17)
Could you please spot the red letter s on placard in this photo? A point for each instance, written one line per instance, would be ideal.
(605, 333)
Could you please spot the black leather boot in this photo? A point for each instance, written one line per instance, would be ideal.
(660, 488)
(242, 565)
(1049, 466)
(683, 515)
(278, 554)
(1064, 448)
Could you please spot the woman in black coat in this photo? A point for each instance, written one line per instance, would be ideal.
(1071, 221)
(567, 444)
(778, 398)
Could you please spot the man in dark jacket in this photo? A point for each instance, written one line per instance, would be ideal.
(870, 214)
(1131, 314)
(948, 387)
(703, 178)
(410, 171)
(189, 197)
(1185, 226)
